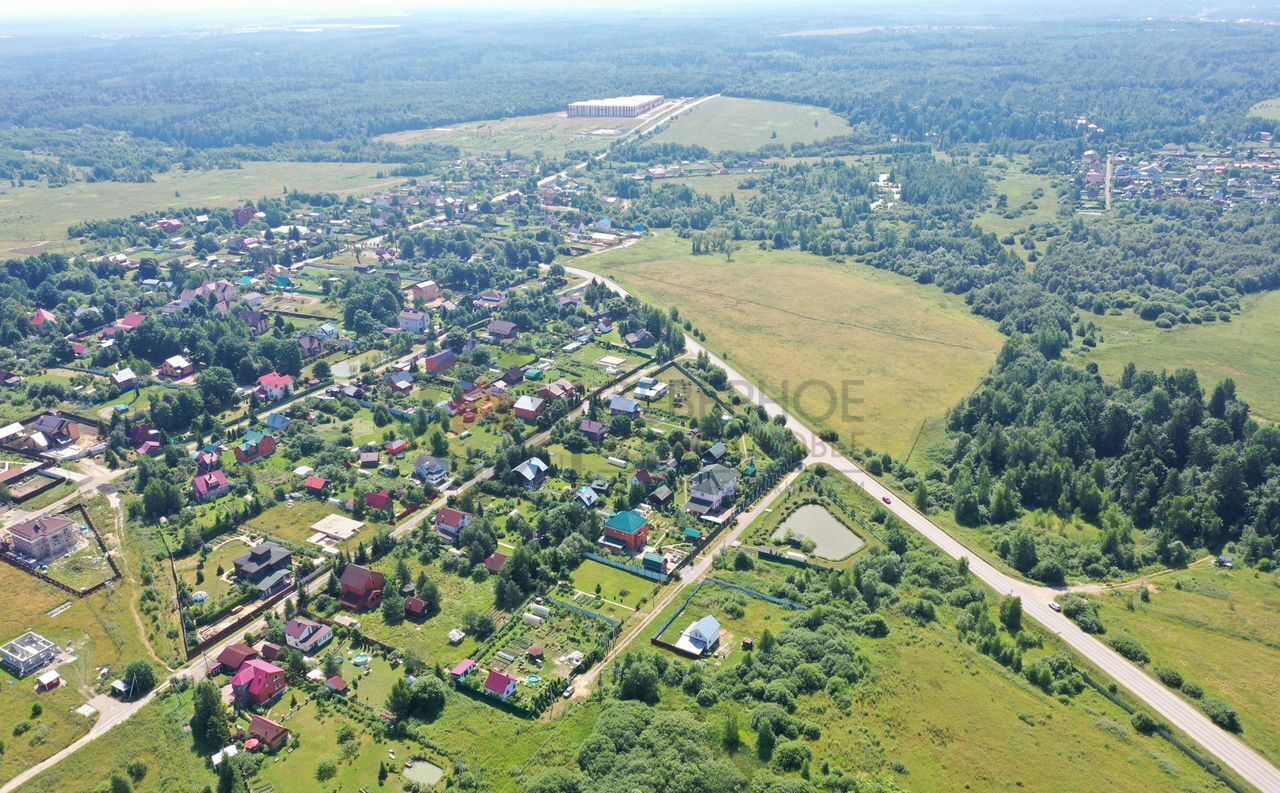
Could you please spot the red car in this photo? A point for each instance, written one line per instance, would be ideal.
(885, 499)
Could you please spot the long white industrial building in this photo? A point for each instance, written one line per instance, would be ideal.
(617, 107)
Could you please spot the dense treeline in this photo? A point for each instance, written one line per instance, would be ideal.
(950, 86)
(1157, 465)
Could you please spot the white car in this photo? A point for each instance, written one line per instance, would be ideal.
(1055, 606)
(568, 692)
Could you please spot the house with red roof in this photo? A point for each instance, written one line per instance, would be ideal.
(450, 522)
(233, 657)
(149, 449)
(210, 486)
(337, 685)
(495, 562)
(44, 320)
(499, 685)
(397, 447)
(208, 461)
(258, 682)
(463, 669)
(416, 607)
(361, 587)
(380, 500)
(316, 485)
(131, 321)
(268, 733)
(274, 387)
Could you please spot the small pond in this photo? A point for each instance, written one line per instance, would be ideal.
(424, 773)
(831, 539)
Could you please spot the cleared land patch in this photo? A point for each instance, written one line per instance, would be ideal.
(31, 215)
(1246, 349)
(552, 134)
(1028, 199)
(866, 353)
(1267, 108)
(730, 124)
(1220, 630)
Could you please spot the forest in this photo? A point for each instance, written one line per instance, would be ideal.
(1000, 86)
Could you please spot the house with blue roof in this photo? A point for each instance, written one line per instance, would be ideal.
(278, 422)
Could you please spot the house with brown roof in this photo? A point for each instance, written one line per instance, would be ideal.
(233, 657)
(268, 733)
(307, 635)
(361, 587)
(45, 537)
(450, 522)
(502, 330)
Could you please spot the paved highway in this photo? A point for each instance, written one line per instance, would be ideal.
(1225, 747)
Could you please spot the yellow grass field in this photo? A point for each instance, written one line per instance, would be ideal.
(1246, 349)
(866, 353)
(33, 215)
(730, 124)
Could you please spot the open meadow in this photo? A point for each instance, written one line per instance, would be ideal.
(865, 353)
(1267, 108)
(1019, 200)
(1246, 349)
(1219, 629)
(37, 214)
(553, 134)
(730, 124)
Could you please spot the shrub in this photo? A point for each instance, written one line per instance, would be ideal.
(1144, 723)
(1222, 714)
(326, 770)
(873, 625)
(1130, 649)
(1170, 677)
(792, 755)
(1192, 690)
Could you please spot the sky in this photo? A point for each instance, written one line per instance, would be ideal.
(82, 9)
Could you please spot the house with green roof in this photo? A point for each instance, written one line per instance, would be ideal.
(255, 446)
(626, 531)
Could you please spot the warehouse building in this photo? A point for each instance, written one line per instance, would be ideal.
(617, 107)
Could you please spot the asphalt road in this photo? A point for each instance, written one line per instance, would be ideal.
(1225, 747)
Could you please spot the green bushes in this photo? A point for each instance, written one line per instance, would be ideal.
(1222, 714)
(1083, 613)
(1170, 677)
(1130, 649)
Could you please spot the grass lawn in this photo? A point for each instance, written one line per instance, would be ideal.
(100, 630)
(223, 556)
(1246, 349)
(615, 585)
(156, 736)
(956, 720)
(1268, 109)
(429, 639)
(294, 523)
(34, 214)
(553, 134)
(740, 616)
(1220, 629)
(730, 124)
(893, 353)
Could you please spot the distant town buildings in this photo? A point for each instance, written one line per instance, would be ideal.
(615, 107)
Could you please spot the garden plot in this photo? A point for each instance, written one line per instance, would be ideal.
(545, 641)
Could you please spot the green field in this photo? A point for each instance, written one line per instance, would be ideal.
(1268, 109)
(908, 352)
(615, 585)
(729, 124)
(1246, 349)
(32, 215)
(716, 185)
(553, 134)
(1219, 629)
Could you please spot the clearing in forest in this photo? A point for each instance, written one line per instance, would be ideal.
(729, 124)
(1246, 349)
